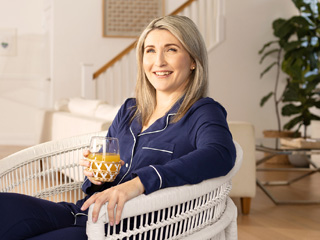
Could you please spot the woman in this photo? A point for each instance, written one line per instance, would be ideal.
(169, 135)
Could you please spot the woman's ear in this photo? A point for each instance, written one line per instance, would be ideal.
(193, 64)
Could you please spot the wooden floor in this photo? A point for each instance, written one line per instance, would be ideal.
(266, 220)
(283, 222)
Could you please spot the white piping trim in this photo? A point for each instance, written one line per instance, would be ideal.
(76, 215)
(86, 179)
(134, 143)
(171, 114)
(156, 149)
(160, 178)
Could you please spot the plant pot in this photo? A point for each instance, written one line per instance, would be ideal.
(299, 160)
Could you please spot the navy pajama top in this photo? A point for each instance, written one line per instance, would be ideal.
(197, 147)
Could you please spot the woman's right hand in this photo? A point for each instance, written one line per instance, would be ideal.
(86, 164)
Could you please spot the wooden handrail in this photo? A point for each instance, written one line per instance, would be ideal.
(182, 7)
(132, 46)
(114, 60)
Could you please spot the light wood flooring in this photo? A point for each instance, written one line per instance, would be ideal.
(266, 220)
(283, 222)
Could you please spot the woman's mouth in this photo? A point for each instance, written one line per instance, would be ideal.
(162, 73)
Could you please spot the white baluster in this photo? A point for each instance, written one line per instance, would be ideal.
(210, 27)
(201, 9)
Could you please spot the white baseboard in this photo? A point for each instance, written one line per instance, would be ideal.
(23, 139)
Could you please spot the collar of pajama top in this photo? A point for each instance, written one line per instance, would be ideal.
(158, 126)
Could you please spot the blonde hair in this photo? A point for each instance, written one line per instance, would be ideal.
(188, 34)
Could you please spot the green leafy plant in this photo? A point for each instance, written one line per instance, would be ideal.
(297, 47)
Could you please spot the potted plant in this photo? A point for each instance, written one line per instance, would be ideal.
(297, 47)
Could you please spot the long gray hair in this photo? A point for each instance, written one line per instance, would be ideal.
(185, 30)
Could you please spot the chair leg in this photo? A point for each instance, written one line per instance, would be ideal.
(245, 205)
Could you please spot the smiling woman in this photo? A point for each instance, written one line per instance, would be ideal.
(170, 40)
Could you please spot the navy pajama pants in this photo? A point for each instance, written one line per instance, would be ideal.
(25, 217)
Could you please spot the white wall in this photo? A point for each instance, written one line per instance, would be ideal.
(234, 65)
(23, 85)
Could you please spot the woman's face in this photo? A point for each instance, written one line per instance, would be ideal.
(166, 62)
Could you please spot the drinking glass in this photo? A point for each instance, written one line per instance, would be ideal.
(105, 158)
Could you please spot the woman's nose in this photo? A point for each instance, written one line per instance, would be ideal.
(160, 60)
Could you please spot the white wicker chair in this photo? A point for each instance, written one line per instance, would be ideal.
(51, 171)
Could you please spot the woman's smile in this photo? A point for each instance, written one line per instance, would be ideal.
(162, 73)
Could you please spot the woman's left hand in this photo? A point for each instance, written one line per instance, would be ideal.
(116, 197)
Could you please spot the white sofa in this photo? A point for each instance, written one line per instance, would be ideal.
(73, 117)
(244, 183)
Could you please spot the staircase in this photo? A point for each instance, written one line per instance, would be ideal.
(207, 14)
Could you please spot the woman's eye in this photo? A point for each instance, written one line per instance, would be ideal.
(150, 51)
(172, 50)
